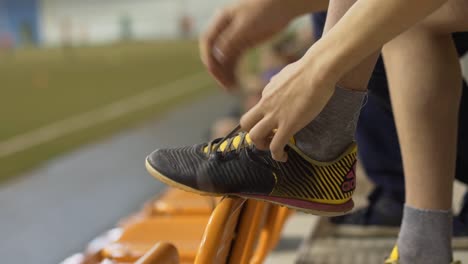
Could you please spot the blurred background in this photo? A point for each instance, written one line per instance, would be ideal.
(89, 88)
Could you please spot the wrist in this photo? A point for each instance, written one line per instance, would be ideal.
(323, 66)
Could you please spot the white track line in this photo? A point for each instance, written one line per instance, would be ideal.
(106, 113)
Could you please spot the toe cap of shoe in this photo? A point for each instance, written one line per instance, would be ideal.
(164, 164)
(160, 162)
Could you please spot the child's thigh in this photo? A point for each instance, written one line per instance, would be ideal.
(451, 17)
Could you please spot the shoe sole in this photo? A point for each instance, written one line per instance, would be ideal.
(328, 210)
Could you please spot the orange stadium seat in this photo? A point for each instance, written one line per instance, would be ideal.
(241, 231)
(138, 237)
(220, 232)
(161, 253)
(271, 232)
(175, 201)
(252, 220)
(238, 231)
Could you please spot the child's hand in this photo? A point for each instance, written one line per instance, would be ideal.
(290, 101)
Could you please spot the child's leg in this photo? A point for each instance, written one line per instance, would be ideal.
(327, 136)
(426, 100)
(425, 84)
(357, 78)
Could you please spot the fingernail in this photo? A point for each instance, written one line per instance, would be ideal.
(218, 55)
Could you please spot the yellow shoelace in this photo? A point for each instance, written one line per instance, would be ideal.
(230, 142)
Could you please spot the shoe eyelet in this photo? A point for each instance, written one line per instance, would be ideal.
(214, 156)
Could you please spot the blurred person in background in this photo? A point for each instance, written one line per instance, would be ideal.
(6, 42)
(186, 25)
(66, 33)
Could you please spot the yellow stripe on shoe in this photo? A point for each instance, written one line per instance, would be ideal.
(332, 182)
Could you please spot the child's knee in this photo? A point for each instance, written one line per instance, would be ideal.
(451, 17)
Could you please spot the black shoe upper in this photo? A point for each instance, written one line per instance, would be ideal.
(234, 165)
(220, 173)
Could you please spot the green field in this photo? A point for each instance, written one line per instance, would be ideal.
(42, 86)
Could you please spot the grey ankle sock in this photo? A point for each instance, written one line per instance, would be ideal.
(425, 236)
(332, 131)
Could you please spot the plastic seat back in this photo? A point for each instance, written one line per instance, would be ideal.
(239, 231)
(252, 221)
(178, 202)
(184, 232)
(271, 232)
(161, 253)
(220, 232)
(234, 231)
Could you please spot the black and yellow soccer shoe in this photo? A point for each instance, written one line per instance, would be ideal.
(232, 166)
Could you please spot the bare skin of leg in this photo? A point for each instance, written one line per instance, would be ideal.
(357, 78)
(425, 84)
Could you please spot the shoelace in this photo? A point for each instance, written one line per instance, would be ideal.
(213, 146)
